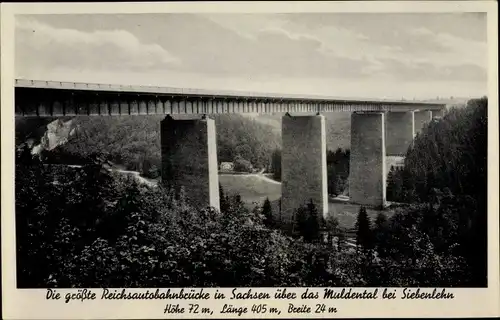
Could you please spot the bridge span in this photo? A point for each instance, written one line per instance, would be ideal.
(54, 98)
(189, 155)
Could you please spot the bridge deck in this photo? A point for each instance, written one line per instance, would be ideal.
(52, 98)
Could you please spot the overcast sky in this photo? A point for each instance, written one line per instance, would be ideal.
(346, 55)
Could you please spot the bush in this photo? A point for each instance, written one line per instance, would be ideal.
(97, 230)
(84, 227)
(242, 165)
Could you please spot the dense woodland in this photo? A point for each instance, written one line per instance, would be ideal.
(133, 141)
(86, 227)
(93, 229)
(448, 154)
(447, 167)
(239, 136)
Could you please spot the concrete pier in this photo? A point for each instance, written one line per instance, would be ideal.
(189, 159)
(400, 131)
(303, 165)
(367, 185)
(422, 118)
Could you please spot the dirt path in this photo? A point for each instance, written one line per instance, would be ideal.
(141, 179)
(266, 178)
(259, 175)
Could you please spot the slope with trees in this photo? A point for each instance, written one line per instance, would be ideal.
(133, 141)
(446, 169)
(94, 229)
(85, 227)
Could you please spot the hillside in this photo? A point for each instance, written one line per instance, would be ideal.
(338, 124)
(97, 229)
(338, 127)
(254, 129)
(134, 143)
(246, 137)
(448, 164)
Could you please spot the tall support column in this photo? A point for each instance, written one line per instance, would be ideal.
(400, 131)
(303, 165)
(189, 159)
(367, 163)
(422, 118)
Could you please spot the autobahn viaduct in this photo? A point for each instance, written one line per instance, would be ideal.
(189, 158)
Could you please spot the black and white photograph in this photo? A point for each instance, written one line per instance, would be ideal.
(260, 149)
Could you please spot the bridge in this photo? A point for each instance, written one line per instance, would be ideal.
(189, 156)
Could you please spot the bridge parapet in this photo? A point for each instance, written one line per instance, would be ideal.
(52, 98)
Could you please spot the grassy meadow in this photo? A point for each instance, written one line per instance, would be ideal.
(254, 190)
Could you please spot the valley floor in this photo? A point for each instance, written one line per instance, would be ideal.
(255, 188)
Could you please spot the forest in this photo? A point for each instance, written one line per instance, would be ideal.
(93, 228)
(447, 166)
(132, 141)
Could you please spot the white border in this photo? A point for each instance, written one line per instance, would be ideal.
(26, 304)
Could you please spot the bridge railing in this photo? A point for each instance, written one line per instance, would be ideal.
(52, 98)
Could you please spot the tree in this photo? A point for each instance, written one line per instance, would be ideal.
(380, 221)
(340, 184)
(267, 212)
(391, 190)
(223, 199)
(130, 141)
(93, 228)
(301, 220)
(141, 237)
(363, 230)
(276, 164)
(237, 200)
(452, 153)
(308, 222)
(221, 191)
(279, 209)
(252, 140)
(153, 172)
(242, 165)
(381, 234)
(244, 151)
(332, 179)
(332, 229)
(341, 239)
(395, 186)
(337, 170)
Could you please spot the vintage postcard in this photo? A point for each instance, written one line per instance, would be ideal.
(249, 160)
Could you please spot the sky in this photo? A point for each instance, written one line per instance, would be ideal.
(358, 55)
